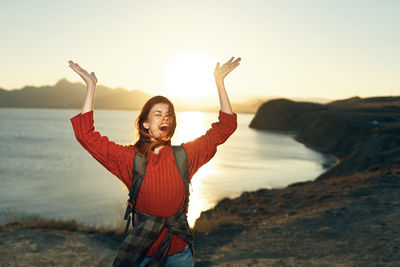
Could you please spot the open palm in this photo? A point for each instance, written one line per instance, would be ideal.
(90, 79)
(221, 72)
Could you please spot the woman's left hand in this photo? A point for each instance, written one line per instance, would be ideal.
(221, 72)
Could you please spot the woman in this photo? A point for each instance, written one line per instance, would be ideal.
(162, 194)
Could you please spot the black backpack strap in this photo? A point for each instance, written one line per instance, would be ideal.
(181, 160)
(134, 190)
(137, 164)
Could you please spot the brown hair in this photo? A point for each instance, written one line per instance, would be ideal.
(145, 144)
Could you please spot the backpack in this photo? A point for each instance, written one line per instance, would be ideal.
(181, 161)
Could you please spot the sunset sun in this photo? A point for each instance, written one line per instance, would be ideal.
(190, 74)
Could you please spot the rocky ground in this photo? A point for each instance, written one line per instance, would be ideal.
(20, 246)
(352, 222)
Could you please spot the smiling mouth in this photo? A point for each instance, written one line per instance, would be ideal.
(164, 128)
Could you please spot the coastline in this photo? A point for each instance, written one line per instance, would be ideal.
(347, 216)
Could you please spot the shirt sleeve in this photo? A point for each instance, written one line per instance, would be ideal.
(202, 149)
(118, 159)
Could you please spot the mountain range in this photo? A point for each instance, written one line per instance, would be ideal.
(65, 94)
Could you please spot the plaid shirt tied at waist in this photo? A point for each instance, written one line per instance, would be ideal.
(147, 228)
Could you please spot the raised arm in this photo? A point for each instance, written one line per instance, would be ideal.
(118, 159)
(202, 149)
(91, 81)
(220, 74)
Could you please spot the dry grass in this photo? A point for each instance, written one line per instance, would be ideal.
(205, 224)
(38, 222)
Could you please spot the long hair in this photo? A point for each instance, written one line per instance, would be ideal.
(145, 142)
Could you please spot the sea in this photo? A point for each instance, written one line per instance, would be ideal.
(44, 170)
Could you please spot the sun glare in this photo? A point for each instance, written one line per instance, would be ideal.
(197, 201)
(190, 74)
(192, 125)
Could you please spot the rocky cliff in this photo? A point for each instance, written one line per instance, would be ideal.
(348, 216)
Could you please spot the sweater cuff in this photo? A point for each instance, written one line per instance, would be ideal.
(229, 119)
(85, 120)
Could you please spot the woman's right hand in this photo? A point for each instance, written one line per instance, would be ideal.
(90, 79)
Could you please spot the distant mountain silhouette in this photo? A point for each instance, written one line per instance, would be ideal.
(65, 94)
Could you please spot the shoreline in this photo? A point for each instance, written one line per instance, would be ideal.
(347, 216)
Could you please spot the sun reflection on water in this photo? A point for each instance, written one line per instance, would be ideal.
(197, 202)
(191, 125)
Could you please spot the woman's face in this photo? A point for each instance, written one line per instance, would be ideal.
(158, 121)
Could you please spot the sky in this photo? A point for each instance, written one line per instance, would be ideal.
(311, 48)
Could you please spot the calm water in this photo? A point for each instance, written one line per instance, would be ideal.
(45, 171)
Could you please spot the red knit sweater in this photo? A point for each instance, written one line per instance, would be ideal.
(162, 192)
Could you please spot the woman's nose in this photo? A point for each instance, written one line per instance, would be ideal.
(165, 118)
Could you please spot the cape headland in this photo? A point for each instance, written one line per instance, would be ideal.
(347, 216)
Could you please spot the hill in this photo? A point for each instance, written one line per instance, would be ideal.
(348, 216)
(65, 94)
